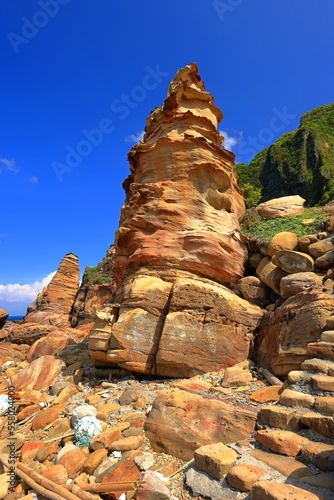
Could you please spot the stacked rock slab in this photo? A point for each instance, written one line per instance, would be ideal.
(3, 316)
(178, 247)
(54, 304)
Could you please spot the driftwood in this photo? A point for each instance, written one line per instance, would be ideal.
(271, 378)
(84, 495)
(107, 487)
(40, 484)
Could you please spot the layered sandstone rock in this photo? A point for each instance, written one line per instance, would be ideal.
(95, 291)
(3, 316)
(281, 345)
(54, 304)
(178, 246)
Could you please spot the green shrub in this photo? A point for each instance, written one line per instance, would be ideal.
(94, 276)
(254, 226)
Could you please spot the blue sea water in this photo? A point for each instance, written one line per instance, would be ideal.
(11, 318)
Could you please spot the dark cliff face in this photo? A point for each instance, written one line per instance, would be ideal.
(300, 162)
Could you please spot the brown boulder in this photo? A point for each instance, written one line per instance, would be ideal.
(40, 374)
(293, 262)
(282, 241)
(284, 442)
(287, 206)
(215, 459)
(270, 274)
(299, 282)
(51, 344)
(56, 473)
(282, 342)
(326, 260)
(72, 460)
(252, 288)
(242, 477)
(181, 422)
(266, 394)
(320, 248)
(267, 490)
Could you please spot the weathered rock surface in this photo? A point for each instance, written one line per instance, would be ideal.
(178, 244)
(3, 316)
(41, 373)
(181, 422)
(287, 206)
(293, 262)
(270, 274)
(252, 288)
(266, 490)
(299, 282)
(215, 459)
(95, 291)
(281, 345)
(282, 241)
(54, 304)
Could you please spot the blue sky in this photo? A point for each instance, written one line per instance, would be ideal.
(80, 78)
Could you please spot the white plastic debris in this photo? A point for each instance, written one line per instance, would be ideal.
(85, 429)
(83, 411)
(117, 454)
(4, 404)
(149, 409)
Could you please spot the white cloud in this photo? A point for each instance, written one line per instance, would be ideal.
(230, 140)
(23, 293)
(10, 165)
(135, 137)
(33, 179)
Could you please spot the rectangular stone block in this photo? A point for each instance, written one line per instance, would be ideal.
(322, 383)
(276, 416)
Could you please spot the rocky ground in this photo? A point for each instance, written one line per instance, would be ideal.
(49, 442)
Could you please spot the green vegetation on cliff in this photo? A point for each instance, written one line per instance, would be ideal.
(95, 276)
(299, 162)
(255, 227)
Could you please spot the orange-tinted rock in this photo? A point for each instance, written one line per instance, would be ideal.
(242, 477)
(287, 206)
(29, 450)
(126, 444)
(104, 439)
(51, 344)
(28, 333)
(267, 490)
(27, 412)
(282, 241)
(40, 374)
(266, 394)
(56, 473)
(93, 460)
(293, 262)
(46, 417)
(54, 304)
(13, 351)
(73, 460)
(124, 470)
(181, 422)
(282, 342)
(179, 239)
(284, 442)
(215, 459)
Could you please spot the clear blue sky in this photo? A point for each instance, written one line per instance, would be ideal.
(71, 66)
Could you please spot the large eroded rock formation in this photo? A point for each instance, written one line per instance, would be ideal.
(178, 247)
(54, 304)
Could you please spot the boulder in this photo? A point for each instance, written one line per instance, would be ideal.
(3, 316)
(293, 262)
(153, 488)
(280, 441)
(270, 274)
(287, 206)
(299, 282)
(40, 374)
(215, 459)
(242, 477)
(180, 422)
(251, 288)
(282, 241)
(281, 345)
(267, 490)
(179, 239)
(51, 344)
(320, 248)
(326, 260)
